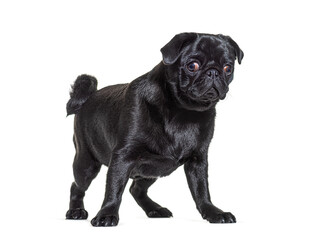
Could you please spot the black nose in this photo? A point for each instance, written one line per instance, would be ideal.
(212, 73)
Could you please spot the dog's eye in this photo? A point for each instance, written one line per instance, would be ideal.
(193, 66)
(227, 69)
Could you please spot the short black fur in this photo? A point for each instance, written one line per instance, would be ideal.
(82, 89)
(148, 128)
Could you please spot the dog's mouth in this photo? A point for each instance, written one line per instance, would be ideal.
(199, 99)
(210, 95)
(220, 95)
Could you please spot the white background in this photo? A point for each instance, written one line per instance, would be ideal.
(263, 156)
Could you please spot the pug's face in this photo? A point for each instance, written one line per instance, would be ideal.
(199, 68)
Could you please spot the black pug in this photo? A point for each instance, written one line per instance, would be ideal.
(148, 128)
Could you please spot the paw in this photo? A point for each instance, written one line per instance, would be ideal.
(77, 214)
(224, 217)
(160, 213)
(105, 221)
(216, 215)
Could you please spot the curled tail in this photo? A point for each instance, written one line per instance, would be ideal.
(83, 87)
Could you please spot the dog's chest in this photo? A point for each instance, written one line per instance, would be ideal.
(171, 142)
(176, 137)
(182, 138)
(171, 146)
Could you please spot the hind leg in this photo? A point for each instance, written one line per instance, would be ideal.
(139, 190)
(85, 169)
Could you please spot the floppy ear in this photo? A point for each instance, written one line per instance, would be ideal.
(172, 50)
(238, 52)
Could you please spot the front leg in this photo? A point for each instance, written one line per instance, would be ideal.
(117, 178)
(196, 171)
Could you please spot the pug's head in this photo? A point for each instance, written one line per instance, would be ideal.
(199, 68)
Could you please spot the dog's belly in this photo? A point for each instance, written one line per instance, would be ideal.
(154, 168)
